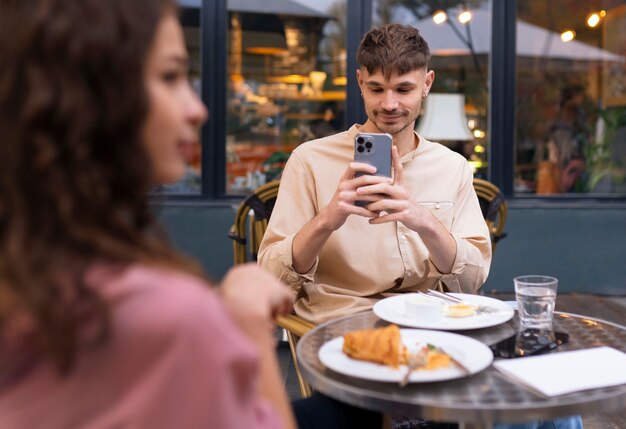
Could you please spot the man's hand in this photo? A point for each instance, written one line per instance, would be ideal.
(398, 204)
(400, 207)
(342, 205)
(308, 242)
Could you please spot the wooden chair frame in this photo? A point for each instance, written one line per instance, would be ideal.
(247, 232)
(495, 209)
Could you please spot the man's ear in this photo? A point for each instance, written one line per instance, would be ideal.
(359, 78)
(430, 78)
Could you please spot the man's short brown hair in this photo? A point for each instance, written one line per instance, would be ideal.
(393, 48)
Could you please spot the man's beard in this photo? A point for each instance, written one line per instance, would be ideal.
(398, 126)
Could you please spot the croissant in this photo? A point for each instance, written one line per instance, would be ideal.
(381, 345)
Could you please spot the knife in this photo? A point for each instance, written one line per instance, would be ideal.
(454, 361)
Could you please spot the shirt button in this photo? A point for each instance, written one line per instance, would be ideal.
(409, 273)
(403, 237)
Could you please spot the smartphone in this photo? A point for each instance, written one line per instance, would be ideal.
(528, 343)
(373, 149)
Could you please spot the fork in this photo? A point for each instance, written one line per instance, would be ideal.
(450, 298)
(416, 360)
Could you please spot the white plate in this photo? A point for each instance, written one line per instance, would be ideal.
(473, 354)
(392, 310)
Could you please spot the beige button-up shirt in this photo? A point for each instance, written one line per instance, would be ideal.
(362, 263)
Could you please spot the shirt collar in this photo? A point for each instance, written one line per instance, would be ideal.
(411, 155)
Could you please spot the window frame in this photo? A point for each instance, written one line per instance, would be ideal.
(212, 17)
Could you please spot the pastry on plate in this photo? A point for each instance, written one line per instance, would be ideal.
(380, 345)
(460, 310)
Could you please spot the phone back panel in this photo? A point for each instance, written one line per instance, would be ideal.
(374, 149)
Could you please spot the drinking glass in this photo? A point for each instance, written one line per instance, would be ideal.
(536, 296)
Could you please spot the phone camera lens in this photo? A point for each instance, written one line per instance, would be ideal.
(360, 140)
(360, 149)
(368, 145)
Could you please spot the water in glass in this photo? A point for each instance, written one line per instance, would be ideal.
(536, 306)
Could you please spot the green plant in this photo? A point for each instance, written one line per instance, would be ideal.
(601, 162)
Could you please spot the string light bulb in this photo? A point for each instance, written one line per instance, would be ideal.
(479, 134)
(439, 17)
(594, 18)
(465, 16)
(568, 35)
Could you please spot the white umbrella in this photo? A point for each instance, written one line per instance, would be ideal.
(532, 40)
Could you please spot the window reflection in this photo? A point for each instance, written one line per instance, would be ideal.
(286, 84)
(571, 109)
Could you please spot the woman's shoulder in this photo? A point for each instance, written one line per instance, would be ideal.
(160, 300)
(148, 282)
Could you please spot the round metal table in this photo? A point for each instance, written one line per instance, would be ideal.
(475, 401)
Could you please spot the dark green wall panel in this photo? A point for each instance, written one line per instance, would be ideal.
(585, 248)
(201, 232)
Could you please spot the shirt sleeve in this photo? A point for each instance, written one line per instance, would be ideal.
(226, 376)
(295, 206)
(473, 245)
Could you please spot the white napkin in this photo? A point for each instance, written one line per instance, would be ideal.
(566, 372)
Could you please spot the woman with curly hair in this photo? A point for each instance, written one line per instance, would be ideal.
(102, 324)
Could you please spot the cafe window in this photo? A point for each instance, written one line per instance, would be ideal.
(286, 76)
(459, 36)
(571, 98)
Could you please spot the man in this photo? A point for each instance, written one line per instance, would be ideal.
(421, 228)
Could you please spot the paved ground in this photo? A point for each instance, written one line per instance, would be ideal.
(612, 309)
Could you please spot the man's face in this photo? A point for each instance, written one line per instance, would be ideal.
(393, 105)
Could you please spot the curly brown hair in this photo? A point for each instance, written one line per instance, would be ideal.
(393, 48)
(74, 174)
